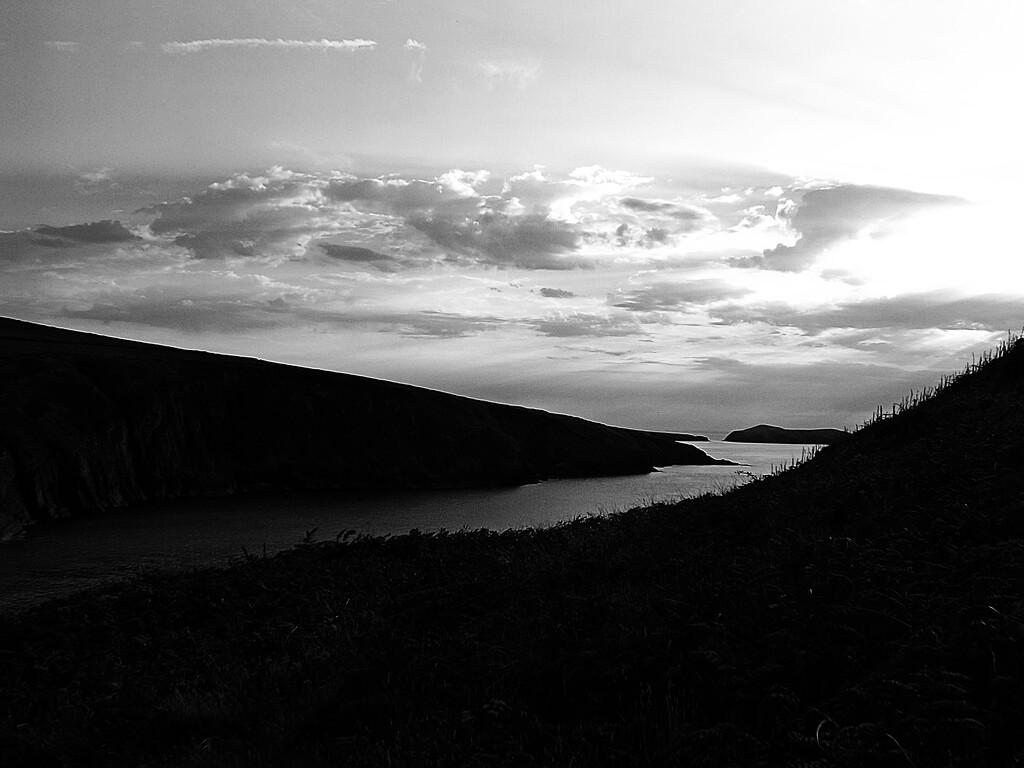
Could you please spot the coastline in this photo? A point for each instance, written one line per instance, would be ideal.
(861, 608)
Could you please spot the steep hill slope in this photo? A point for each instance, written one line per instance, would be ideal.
(89, 422)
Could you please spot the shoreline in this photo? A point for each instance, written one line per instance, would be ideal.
(224, 526)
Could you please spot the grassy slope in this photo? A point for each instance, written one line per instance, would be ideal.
(866, 608)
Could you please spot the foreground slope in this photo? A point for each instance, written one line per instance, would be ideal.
(863, 609)
(89, 422)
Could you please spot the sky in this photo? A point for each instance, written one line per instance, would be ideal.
(672, 215)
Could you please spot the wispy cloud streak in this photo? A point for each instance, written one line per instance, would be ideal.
(199, 46)
(418, 52)
(63, 46)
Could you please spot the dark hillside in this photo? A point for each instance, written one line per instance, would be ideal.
(863, 609)
(89, 422)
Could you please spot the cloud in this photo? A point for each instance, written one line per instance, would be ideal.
(178, 309)
(200, 315)
(680, 211)
(535, 191)
(525, 218)
(824, 217)
(647, 206)
(359, 255)
(454, 214)
(677, 296)
(273, 215)
(655, 236)
(200, 46)
(417, 52)
(395, 276)
(439, 325)
(91, 181)
(107, 231)
(582, 324)
(630, 238)
(277, 214)
(351, 252)
(606, 179)
(62, 46)
(517, 74)
(454, 191)
(532, 241)
(934, 309)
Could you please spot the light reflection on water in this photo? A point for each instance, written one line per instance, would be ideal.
(79, 553)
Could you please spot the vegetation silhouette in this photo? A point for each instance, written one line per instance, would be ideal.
(865, 607)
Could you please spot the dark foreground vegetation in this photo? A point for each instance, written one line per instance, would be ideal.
(863, 609)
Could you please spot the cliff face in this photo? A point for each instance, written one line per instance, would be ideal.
(90, 423)
(764, 433)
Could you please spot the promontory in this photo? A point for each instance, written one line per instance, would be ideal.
(89, 422)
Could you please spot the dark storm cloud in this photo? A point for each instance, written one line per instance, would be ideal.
(825, 217)
(556, 293)
(107, 231)
(531, 241)
(683, 295)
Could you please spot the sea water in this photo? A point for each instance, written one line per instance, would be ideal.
(58, 559)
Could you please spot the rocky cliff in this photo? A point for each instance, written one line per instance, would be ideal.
(764, 433)
(89, 422)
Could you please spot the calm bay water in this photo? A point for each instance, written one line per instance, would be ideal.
(76, 554)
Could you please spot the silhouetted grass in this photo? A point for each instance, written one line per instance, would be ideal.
(863, 608)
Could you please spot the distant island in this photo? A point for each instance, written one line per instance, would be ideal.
(765, 433)
(89, 422)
